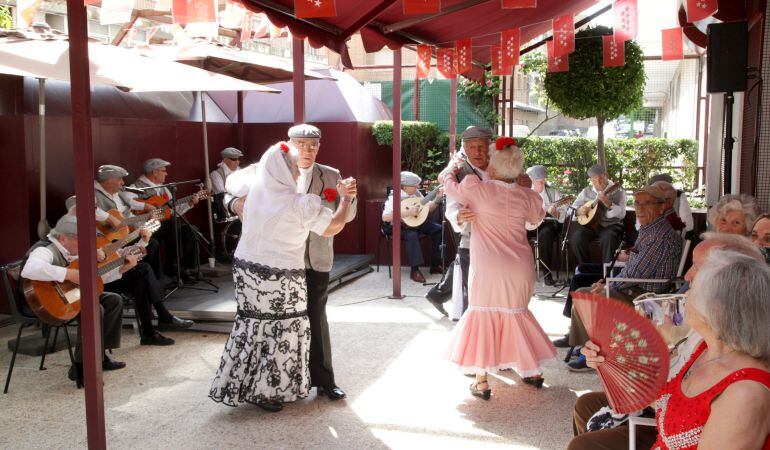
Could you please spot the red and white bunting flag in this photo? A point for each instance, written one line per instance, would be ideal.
(423, 61)
(614, 52)
(194, 11)
(26, 11)
(701, 9)
(422, 7)
(445, 62)
(116, 11)
(626, 20)
(463, 55)
(263, 28)
(672, 44)
(232, 16)
(516, 4)
(90, 2)
(305, 9)
(496, 56)
(556, 63)
(563, 35)
(247, 24)
(511, 43)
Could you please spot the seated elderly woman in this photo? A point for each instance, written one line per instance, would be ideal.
(760, 235)
(734, 213)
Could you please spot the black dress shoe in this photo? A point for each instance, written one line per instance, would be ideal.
(548, 280)
(76, 374)
(438, 305)
(333, 392)
(176, 324)
(111, 364)
(156, 339)
(562, 342)
(534, 381)
(270, 405)
(476, 392)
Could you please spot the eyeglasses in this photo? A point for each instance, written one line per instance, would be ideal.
(647, 204)
(307, 145)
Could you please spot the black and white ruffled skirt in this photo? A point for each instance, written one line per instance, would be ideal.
(267, 356)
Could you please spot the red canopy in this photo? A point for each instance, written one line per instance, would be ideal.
(383, 23)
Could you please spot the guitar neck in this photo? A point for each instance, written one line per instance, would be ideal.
(112, 265)
(111, 248)
(131, 221)
(430, 196)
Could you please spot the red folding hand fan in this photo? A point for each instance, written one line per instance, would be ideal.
(636, 356)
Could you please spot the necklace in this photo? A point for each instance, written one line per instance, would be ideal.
(695, 367)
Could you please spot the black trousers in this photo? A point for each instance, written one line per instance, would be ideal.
(111, 310)
(141, 284)
(412, 238)
(609, 239)
(321, 370)
(547, 233)
(465, 267)
(189, 256)
(585, 275)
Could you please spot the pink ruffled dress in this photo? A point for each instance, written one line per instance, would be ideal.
(498, 330)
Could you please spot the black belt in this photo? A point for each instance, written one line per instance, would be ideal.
(270, 316)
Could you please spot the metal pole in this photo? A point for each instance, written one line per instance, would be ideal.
(298, 77)
(396, 166)
(241, 135)
(504, 102)
(206, 169)
(452, 115)
(416, 113)
(727, 185)
(90, 319)
(42, 225)
(512, 97)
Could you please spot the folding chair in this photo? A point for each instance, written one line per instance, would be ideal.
(679, 272)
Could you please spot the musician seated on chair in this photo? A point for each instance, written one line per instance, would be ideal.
(47, 260)
(656, 255)
(549, 229)
(608, 226)
(155, 173)
(141, 284)
(409, 184)
(231, 160)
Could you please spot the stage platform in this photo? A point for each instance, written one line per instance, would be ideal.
(215, 311)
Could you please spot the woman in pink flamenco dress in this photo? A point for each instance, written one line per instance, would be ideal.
(498, 331)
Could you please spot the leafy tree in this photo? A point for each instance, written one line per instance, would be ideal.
(589, 89)
(482, 96)
(6, 19)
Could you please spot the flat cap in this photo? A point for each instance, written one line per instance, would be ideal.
(108, 171)
(538, 172)
(668, 188)
(70, 202)
(474, 132)
(654, 190)
(662, 177)
(304, 131)
(596, 169)
(410, 179)
(232, 153)
(154, 164)
(67, 224)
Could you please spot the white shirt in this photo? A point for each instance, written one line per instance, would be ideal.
(547, 202)
(181, 208)
(217, 183)
(615, 211)
(40, 267)
(305, 178)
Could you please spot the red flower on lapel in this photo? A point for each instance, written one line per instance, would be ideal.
(284, 147)
(330, 194)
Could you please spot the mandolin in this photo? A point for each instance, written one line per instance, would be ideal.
(56, 303)
(596, 209)
(160, 202)
(409, 205)
(123, 229)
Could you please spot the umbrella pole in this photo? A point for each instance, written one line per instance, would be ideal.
(42, 225)
(208, 177)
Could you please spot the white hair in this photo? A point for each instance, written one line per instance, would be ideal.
(732, 292)
(734, 202)
(507, 163)
(734, 242)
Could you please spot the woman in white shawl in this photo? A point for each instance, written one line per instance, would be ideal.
(266, 358)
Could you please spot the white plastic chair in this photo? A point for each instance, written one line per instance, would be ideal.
(633, 422)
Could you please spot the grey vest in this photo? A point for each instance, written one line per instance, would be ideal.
(105, 203)
(148, 193)
(615, 198)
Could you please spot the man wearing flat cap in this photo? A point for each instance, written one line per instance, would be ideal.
(321, 180)
(678, 203)
(609, 230)
(231, 160)
(550, 228)
(155, 174)
(47, 260)
(409, 184)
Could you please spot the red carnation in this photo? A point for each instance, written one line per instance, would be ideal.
(330, 194)
(504, 141)
(284, 147)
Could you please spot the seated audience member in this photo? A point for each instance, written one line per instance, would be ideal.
(594, 407)
(680, 204)
(656, 255)
(610, 228)
(760, 235)
(548, 230)
(409, 184)
(47, 260)
(734, 213)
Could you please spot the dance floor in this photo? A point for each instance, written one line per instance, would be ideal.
(388, 356)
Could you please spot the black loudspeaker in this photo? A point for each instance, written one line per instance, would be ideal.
(727, 57)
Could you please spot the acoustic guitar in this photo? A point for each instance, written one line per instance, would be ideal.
(596, 209)
(559, 203)
(160, 202)
(56, 303)
(126, 223)
(409, 205)
(110, 247)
